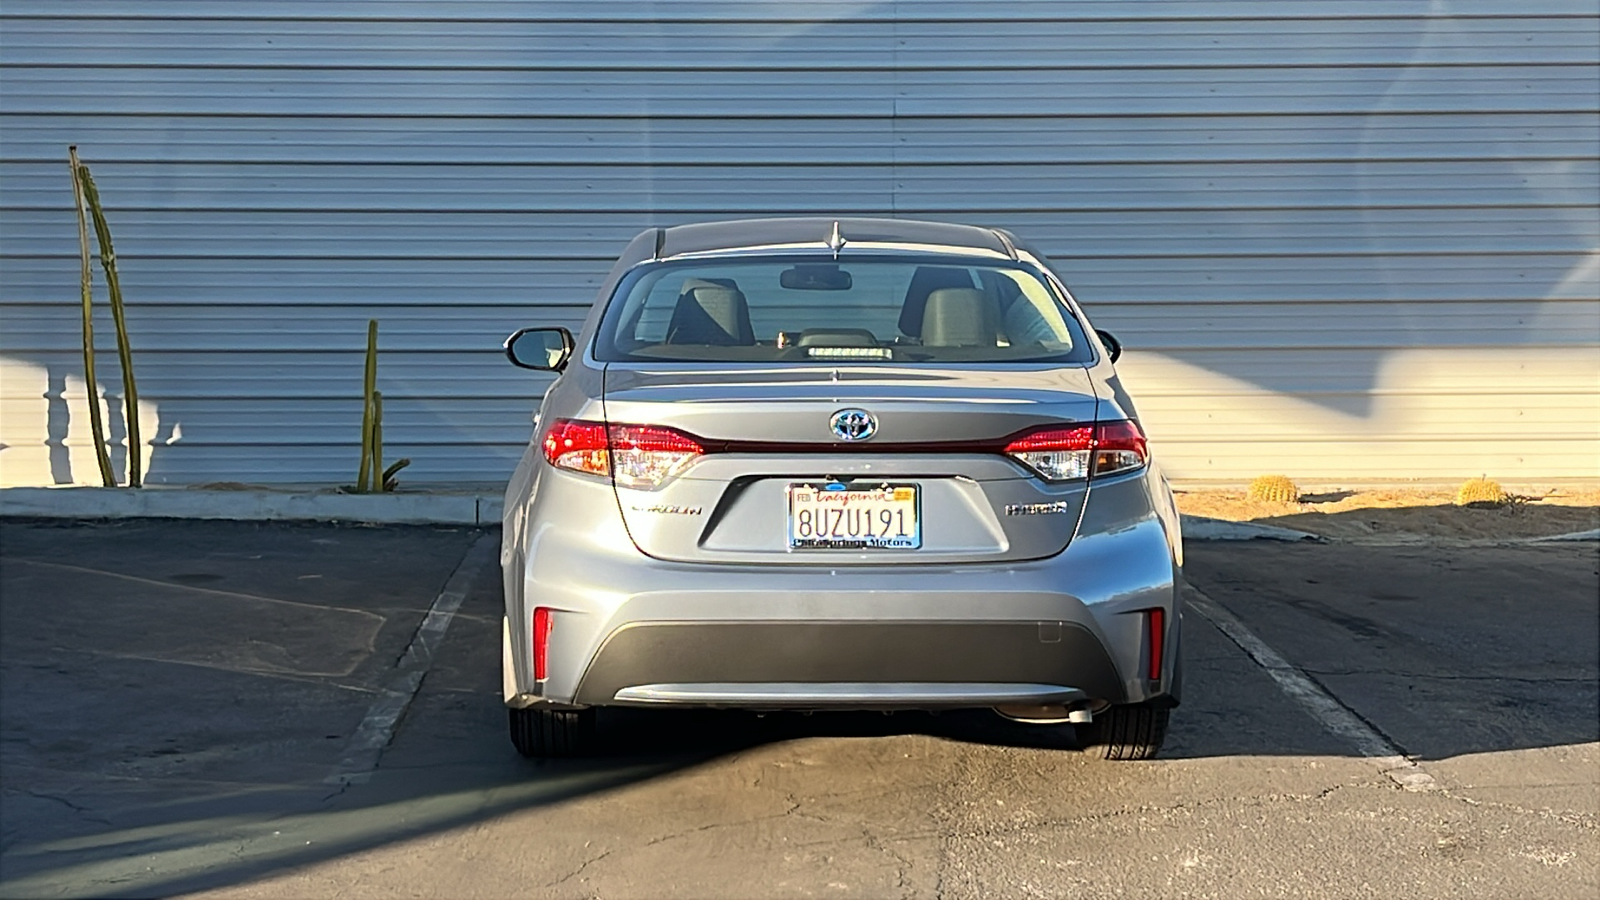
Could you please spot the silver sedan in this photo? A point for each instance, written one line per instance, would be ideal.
(856, 464)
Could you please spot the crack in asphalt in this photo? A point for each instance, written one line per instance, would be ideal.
(82, 811)
(578, 871)
(1577, 819)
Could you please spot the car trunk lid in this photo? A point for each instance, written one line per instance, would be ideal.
(768, 433)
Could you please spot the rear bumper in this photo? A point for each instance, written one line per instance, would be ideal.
(876, 664)
(629, 629)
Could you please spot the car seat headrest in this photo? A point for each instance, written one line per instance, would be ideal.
(960, 317)
(715, 313)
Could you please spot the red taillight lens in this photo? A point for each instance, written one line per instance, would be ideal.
(1119, 447)
(577, 445)
(639, 456)
(1158, 633)
(1066, 454)
(1057, 454)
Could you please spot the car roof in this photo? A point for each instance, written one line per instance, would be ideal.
(801, 232)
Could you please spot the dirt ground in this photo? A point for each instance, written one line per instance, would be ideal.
(1405, 511)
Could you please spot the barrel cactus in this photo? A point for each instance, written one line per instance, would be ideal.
(1274, 489)
(1481, 492)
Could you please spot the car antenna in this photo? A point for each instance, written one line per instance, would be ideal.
(835, 240)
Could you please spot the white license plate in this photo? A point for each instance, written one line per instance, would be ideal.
(834, 516)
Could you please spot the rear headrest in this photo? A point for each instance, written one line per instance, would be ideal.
(713, 313)
(960, 317)
(924, 281)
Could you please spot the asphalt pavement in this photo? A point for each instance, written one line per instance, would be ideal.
(254, 710)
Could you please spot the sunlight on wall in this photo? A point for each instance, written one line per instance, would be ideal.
(1431, 414)
(45, 438)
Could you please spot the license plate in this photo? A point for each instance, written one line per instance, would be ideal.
(834, 516)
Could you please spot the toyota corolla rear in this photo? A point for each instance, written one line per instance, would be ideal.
(880, 482)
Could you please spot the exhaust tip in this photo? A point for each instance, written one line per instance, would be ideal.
(1045, 714)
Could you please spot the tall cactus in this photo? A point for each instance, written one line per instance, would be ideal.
(368, 388)
(108, 262)
(102, 453)
(371, 475)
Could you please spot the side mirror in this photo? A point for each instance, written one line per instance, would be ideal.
(541, 349)
(1113, 346)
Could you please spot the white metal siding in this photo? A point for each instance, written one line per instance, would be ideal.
(1340, 238)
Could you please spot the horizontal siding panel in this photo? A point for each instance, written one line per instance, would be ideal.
(170, 377)
(332, 420)
(443, 464)
(1327, 374)
(854, 43)
(753, 188)
(989, 139)
(507, 11)
(1458, 416)
(859, 92)
(330, 424)
(289, 329)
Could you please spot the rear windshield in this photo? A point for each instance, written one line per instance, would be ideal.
(855, 310)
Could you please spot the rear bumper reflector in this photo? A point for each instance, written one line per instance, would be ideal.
(1157, 636)
(541, 642)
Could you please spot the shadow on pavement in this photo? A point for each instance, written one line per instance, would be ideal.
(1447, 650)
(176, 694)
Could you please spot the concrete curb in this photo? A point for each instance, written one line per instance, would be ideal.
(1200, 528)
(405, 508)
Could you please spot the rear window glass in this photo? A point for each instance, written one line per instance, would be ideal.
(853, 310)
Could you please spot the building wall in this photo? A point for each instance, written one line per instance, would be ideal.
(1341, 239)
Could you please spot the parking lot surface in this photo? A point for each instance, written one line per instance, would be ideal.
(269, 710)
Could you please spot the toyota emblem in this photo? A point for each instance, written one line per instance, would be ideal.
(853, 424)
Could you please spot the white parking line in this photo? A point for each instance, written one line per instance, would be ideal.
(1321, 705)
(373, 734)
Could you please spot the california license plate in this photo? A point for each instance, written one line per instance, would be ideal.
(836, 516)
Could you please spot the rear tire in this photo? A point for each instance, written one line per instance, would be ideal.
(540, 733)
(1134, 731)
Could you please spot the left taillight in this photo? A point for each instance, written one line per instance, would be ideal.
(1083, 451)
(636, 456)
(578, 445)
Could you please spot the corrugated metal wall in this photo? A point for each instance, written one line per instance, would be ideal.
(1340, 238)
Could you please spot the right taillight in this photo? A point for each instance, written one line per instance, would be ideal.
(1084, 451)
(1118, 447)
(635, 456)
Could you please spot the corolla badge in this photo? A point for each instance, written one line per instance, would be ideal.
(853, 424)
